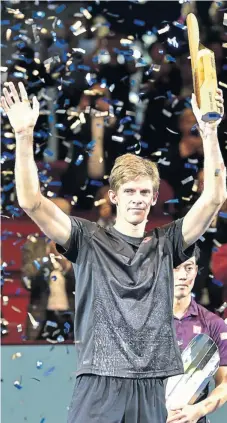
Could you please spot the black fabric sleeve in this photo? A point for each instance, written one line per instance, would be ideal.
(173, 233)
(82, 231)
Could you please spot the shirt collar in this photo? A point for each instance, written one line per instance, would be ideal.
(192, 309)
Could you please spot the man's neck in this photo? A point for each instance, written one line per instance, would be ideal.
(129, 229)
(180, 306)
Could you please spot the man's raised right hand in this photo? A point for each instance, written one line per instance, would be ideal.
(21, 115)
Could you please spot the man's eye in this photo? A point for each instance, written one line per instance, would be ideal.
(128, 190)
(189, 268)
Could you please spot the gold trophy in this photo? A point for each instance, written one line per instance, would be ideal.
(203, 72)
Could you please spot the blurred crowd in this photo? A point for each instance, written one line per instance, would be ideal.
(105, 88)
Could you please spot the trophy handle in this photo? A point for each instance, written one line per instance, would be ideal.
(203, 73)
(194, 47)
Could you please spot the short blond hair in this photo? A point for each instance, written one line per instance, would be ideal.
(128, 167)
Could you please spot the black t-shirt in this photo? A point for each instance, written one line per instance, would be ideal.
(124, 300)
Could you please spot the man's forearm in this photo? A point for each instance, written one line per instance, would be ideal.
(26, 175)
(214, 168)
(215, 400)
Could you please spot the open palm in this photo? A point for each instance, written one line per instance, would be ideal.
(21, 115)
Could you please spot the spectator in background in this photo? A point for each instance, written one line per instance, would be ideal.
(93, 152)
(29, 70)
(190, 319)
(50, 279)
(183, 159)
(104, 208)
(214, 238)
(113, 62)
(219, 270)
(161, 82)
(51, 283)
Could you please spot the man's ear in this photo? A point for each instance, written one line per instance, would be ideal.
(112, 196)
(155, 198)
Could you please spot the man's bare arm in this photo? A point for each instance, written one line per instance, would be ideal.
(200, 216)
(49, 217)
(218, 397)
(215, 400)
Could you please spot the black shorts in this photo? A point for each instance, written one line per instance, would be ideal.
(107, 399)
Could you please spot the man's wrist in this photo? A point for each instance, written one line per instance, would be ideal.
(202, 411)
(208, 132)
(26, 131)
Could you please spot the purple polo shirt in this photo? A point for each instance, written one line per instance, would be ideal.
(198, 319)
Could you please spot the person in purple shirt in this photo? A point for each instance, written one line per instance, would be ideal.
(190, 319)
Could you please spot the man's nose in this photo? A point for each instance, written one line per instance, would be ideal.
(137, 198)
(182, 275)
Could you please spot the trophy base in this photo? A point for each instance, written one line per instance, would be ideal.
(201, 361)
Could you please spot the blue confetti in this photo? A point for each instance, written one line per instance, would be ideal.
(170, 58)
(179, 25)
(60, 8)
(49, 371)
(96, 183)
(222, 214)
(48, 152)
(67, 327)
(79, 160)
(42, 420)
(60, 126)
(128, 132)
(144, 144)
(78, 143)
(39, 364)
(84, 67)
(191, 166)
(39, 14)
(8, 155)
(72, 67)
(8, 187)
(37, 264)
(138, 22)
(17, 385)
(51, 324)
(16, 27)
(50, 118)
(55, 183)
(91, 144)
(35, 84)
(173, 200)
(216, 282)
(19, 74)
(125, 119)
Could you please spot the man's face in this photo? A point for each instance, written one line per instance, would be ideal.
(134, 199)
(184, 278)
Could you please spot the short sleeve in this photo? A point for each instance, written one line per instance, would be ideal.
(82, 231)
(218, 332)
(174, 236)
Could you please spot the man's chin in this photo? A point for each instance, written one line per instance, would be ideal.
(136, 220)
